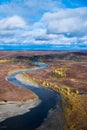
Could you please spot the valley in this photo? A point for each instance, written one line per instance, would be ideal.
(66, 74)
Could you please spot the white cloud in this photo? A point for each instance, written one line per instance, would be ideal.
(12, 22)
(62, 27)
(7, 40)
(31, 10)
(43, 5)
(66, 21)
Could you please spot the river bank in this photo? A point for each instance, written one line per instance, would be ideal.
(25, 81)
(69, 78)
(11, 109)
(32, 119)
(14, 108)
(10, 92)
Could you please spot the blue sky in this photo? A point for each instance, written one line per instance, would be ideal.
(43, 24)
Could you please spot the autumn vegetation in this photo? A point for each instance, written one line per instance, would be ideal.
(69, 78)
(66, 75)
(9, 92)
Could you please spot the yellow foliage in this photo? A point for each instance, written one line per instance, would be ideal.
(77, 92)
(61, 72)
(2, 61)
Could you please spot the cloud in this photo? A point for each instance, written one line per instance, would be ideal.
(12, 22)
(31, 10)
(70, 21)
(46, 5)
(63, 27)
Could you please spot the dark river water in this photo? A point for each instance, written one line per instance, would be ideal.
(33, 119)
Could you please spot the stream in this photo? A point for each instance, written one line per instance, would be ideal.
(35, 117)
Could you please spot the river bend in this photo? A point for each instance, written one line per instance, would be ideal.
(33, 119)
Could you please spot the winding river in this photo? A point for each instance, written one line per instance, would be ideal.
(33, 119)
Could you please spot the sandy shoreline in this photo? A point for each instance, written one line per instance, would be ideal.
(11, 108)
(20, 78)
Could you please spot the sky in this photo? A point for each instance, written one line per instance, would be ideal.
(43, 24)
